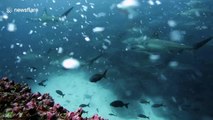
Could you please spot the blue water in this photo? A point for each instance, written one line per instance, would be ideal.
(186, 90)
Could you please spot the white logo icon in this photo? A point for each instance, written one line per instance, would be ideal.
(9, 10)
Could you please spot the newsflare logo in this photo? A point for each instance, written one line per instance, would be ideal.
(21, 10)
(9, 10)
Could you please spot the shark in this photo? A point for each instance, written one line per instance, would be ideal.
(51, 18)
(157, 45)
(196, 12)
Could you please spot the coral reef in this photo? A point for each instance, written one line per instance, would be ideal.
(18, 103)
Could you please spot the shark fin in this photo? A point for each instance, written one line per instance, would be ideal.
(200, 44)
(45, 12)
(66, 12)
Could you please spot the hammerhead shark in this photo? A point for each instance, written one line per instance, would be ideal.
(51, 18)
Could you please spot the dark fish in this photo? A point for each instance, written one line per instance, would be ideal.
(98, 76)
(119, 103)
(143, 101)
(143, 116)
(92, 60)
(60, 93)
(97, 110)
(111, 114)
(85, 111)
(68, 101)
(157, 105)
(42, 83)
(84, 105)
(29, 78)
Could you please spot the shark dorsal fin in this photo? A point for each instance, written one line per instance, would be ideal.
(66, 12)
(45, 12)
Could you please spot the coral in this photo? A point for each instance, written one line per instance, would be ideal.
(18, 103)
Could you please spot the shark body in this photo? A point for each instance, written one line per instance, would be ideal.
(157, 45)
(51, 18)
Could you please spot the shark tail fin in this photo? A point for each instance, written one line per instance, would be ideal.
(67, 12)
(126, 105)
(104, 73)
(200, 44)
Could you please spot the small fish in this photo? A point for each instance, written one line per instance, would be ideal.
(92, 60)
(157, 105)
(85, 111)
(111, 114)
(60, 93)
(98, 76)
(84, 105)
(118, 103)
(142, 116)
(29, 78)
(68, 101)
(42, 83)
(143, 101)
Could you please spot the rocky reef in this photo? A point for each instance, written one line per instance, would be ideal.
(18, 103)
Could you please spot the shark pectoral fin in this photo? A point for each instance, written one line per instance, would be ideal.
(66, 12)
(200, 44)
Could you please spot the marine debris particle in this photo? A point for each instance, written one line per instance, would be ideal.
(87, 38)
(60, 50)
(11, 27)
(173, 64)
(177, 35)
(128, 4)
(31, 32)
(98, 29)
(157, 2)
(154, 57)
(5, 16)
(71, 63)
(151, 2)
(172, 23)
(18, 103)
(75, 20)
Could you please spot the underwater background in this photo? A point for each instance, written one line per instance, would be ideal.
(37, 36)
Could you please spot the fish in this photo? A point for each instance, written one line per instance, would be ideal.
(119, 103)
(60, 93)
(92, 60)
(196, 12)
(143, 101)
(98, 76)
(83, 111)
(158, 45)
(128, 6)
(29, 78)
(84, 105)
(97, 110)
(51, 18)
(158, 105)
(42, 83)
(142, 116)
(112, 114)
